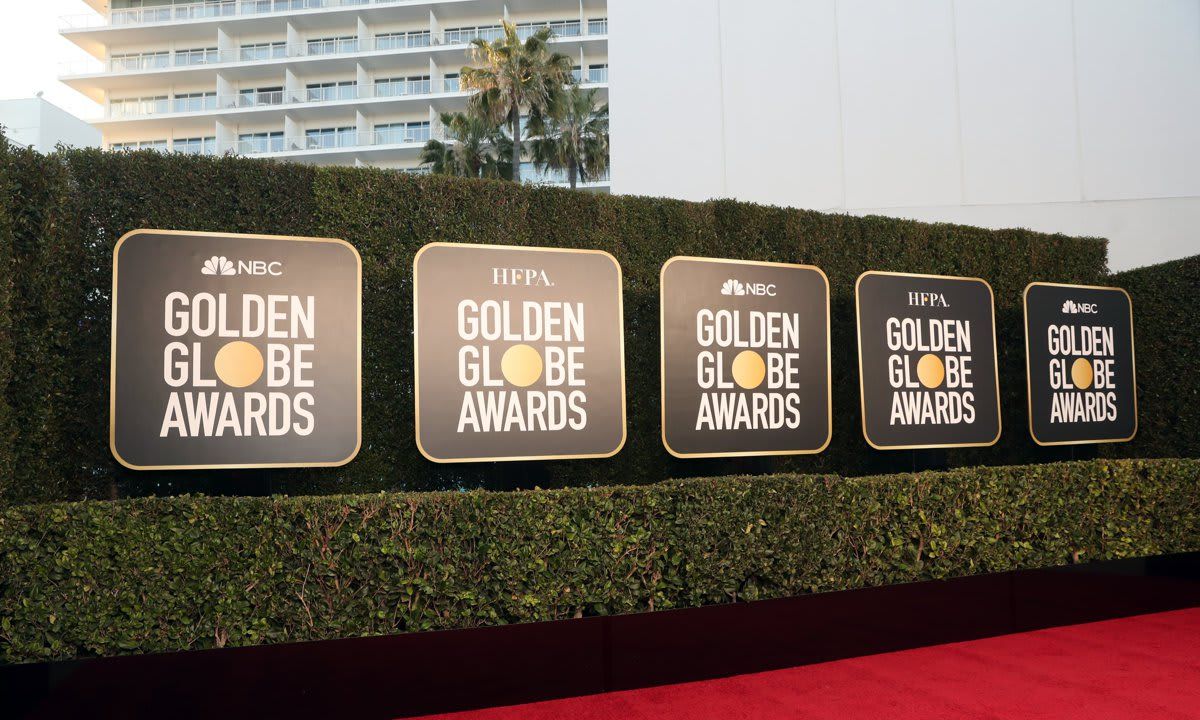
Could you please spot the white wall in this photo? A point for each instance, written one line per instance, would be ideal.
(41, 125)
(1080, 117)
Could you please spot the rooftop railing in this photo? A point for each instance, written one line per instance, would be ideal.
(214, 9)
(205, 10)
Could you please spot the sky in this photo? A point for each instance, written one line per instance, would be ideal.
(33, 52)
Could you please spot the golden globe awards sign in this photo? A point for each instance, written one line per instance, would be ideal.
(927, 361)
(519, 353)
(234, 351)
(745, 358)
(1080, 366)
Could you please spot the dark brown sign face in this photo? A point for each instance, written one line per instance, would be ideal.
(520, 353)
(1080, 367)
(745, 358)
(234, 351)
(927, 361)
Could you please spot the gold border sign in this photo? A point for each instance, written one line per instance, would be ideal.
(234, 351)
(928, 372)
(1094, 399)
(744, 358)
(519, 353)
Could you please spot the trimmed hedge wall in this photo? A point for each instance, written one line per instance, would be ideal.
(1166, 331)
(150, 575)
(65, 211)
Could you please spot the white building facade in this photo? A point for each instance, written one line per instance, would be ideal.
(1072, 116)
(345, 82)
(41, 125)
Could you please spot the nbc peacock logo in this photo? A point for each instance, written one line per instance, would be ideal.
(733, 287)
(218, 265)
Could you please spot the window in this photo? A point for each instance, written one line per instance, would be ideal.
(340, 90)
(264, 51)
(195, 101)
(261, 142)
(576, 73)
(335, 137)
(598, 26)
(451, 83)
(598, 73)
(140, 61)
(394, 87)
(397, 40)
(331, 46)
(260, 96)
(401, 132)
(201, 56)
(197, 145)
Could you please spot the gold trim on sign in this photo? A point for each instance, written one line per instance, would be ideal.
(995, 359)
(1028, 370)
(417, 356)
(112, 382)
(662, 360)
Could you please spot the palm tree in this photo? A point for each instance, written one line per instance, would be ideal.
(476, 147)
(514, 77)
(572, 136)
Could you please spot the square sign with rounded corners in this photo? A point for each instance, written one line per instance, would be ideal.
(520, 353)
(927, 361)
(1079, 364)
(234, 351)
(745, 358)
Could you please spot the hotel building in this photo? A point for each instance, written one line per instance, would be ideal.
(337, 82)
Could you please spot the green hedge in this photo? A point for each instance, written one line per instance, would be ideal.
(1166, 320)
(148, 575)
(68, 209)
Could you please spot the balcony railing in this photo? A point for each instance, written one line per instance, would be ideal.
(265, 52)
(143, 107)
(252, 53)
(397, 41)
(331, 140)
(206, 56)
(530, 173)
(204, 11)
(211, 9)
(563, 28)
(401, 88)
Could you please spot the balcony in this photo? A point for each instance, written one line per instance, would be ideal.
(223, 9)
(334, 140)
(267, 52)
(253, 99)
(280, 51)
(161, 105)
(531, 174)
(212, 9)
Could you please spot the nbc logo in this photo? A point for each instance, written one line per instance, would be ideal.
(218, 266)
(1070, 307)
(737, 287)
(733, 287)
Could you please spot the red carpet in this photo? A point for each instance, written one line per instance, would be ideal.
(1140, 667)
